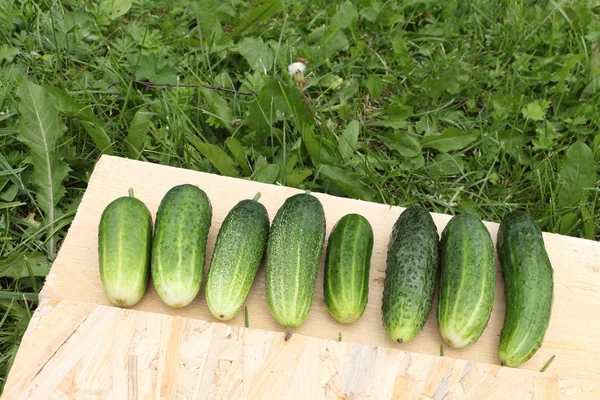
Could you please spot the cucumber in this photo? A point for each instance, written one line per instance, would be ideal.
(124, 239)
(346, 282)
(412, 264)
(467, 280)
(529, 288)
(237, 256)
(179, 246)
(293, 254)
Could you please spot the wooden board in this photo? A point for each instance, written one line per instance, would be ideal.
(572, 335)
(102, 352)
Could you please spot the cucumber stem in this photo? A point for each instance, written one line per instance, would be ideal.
(130, 191)
(247, 323)
(288, 334)
(256, 196)
(441, 350)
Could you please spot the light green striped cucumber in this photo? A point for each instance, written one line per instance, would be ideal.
(412, 264)
(237, 256)
(293, 255)
(529, 288)
(124, 239)
(467, 280)
(346, 281)
(179, 246)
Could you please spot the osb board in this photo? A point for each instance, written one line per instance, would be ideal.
(76, 350)
(572, 335)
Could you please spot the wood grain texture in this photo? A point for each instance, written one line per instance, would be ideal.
(119, 354)
(165, 352)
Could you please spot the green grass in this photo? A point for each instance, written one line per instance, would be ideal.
(463, 106)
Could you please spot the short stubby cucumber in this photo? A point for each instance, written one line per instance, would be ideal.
(346, 281)
(237, 256)
(179, 245)
(124, 243)
(294, 252)
(412, 264)
(467, 280)
(529, 288)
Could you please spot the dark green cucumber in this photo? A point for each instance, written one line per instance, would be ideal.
(412, 263)
(293, 255)
(529, 288)
(467, 280)
(238, 253)
(346, 282)
(179, 246)
(124, 242)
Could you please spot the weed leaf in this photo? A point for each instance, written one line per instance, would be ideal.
(40, 128)
(451, 139)
(576, 174)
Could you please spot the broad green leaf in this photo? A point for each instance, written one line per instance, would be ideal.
(342, 19)
(296, 178)
(451, 139)
(444, 164)
(113, 9)
(266, 173)
(403, 143)
(217, 157)
(576, 174)
(19, 265)
(348, 182)
(257, 53)
(348, 142)
(138, 129)
(41, 129)
(536, 110)
(259, 14)
(238, 153)
(374, 86)
(219, 106)
(150, 68)
(567, 223)
(92, 124)
(277, 96)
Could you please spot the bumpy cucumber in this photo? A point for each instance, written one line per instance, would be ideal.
(412, 264)
(346, 281)
(529, 288)
(238, 253)
(293, 254)
(467, 280)
(179, 246)
(124, 242)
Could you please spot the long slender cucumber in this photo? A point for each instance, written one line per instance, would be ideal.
(529, 288)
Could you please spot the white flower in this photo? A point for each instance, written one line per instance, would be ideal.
(296, 68)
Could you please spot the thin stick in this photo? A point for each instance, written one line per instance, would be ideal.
(256, 196)
(545, 367)
(173, 85)
(246, 321)
(441, 350)
(288, 334)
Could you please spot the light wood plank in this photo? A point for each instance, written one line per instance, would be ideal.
(197, 360)
(576, 314)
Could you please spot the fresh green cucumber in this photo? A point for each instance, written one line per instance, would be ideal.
(412, 264)
(124, 239)
(346, 281)
(529, 288)
(238, 253)
(179, 246)
(467, 280)
(293, 254)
